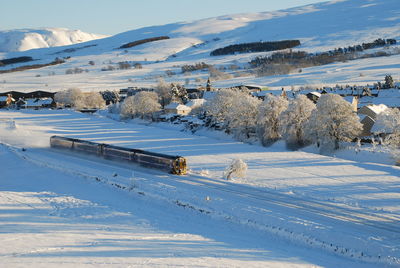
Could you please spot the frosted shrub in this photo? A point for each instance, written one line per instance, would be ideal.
(332, 122)
(293, 120)
(237, 168)
(268, 118)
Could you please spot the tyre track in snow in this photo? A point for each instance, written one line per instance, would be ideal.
(318, 207)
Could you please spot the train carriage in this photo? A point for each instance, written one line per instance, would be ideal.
(173, 164)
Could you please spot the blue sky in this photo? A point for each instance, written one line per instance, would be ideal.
(115, 16)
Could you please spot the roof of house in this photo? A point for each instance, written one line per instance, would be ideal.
(315, 93)
(195, 103)
(372, 109)
(377, 108)
(177, 106)
(38, 102)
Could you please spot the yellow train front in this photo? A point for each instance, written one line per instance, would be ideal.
(172, 164)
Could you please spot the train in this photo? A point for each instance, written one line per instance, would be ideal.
(172, 164)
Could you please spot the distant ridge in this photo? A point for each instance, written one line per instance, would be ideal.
(26, 39)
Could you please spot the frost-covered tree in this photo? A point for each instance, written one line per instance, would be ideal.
(71, 97)
(220, 106)
(92, 100)
(128, 107)
(242, 117)
(163, 90)
(179, 93)
(76, 98)
(389, 83)
(293, 120)
(268, 118)
(237, 168)
(142, 105)
(333, 121)
(146, 103)
(114, 108)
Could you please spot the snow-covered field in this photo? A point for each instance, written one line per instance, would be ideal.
(292, 208)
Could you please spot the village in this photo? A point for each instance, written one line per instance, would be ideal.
(179, 105)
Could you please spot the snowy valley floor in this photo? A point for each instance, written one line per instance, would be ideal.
(293, 208)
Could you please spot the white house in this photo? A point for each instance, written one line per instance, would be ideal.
(368, 116)
(177, 108)
(372, 110)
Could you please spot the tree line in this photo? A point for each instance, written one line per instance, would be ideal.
(4, 62)
(143, 41)
(286, 61)
(255, 47)
(34, 66)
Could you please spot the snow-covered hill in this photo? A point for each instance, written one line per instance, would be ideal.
(26, 39)
(319, 27)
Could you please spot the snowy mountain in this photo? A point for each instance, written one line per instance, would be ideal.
(26, 39)
(319, 27)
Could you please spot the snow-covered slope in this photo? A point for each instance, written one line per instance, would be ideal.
(26, 39)
(321, 211)
(319, 27)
